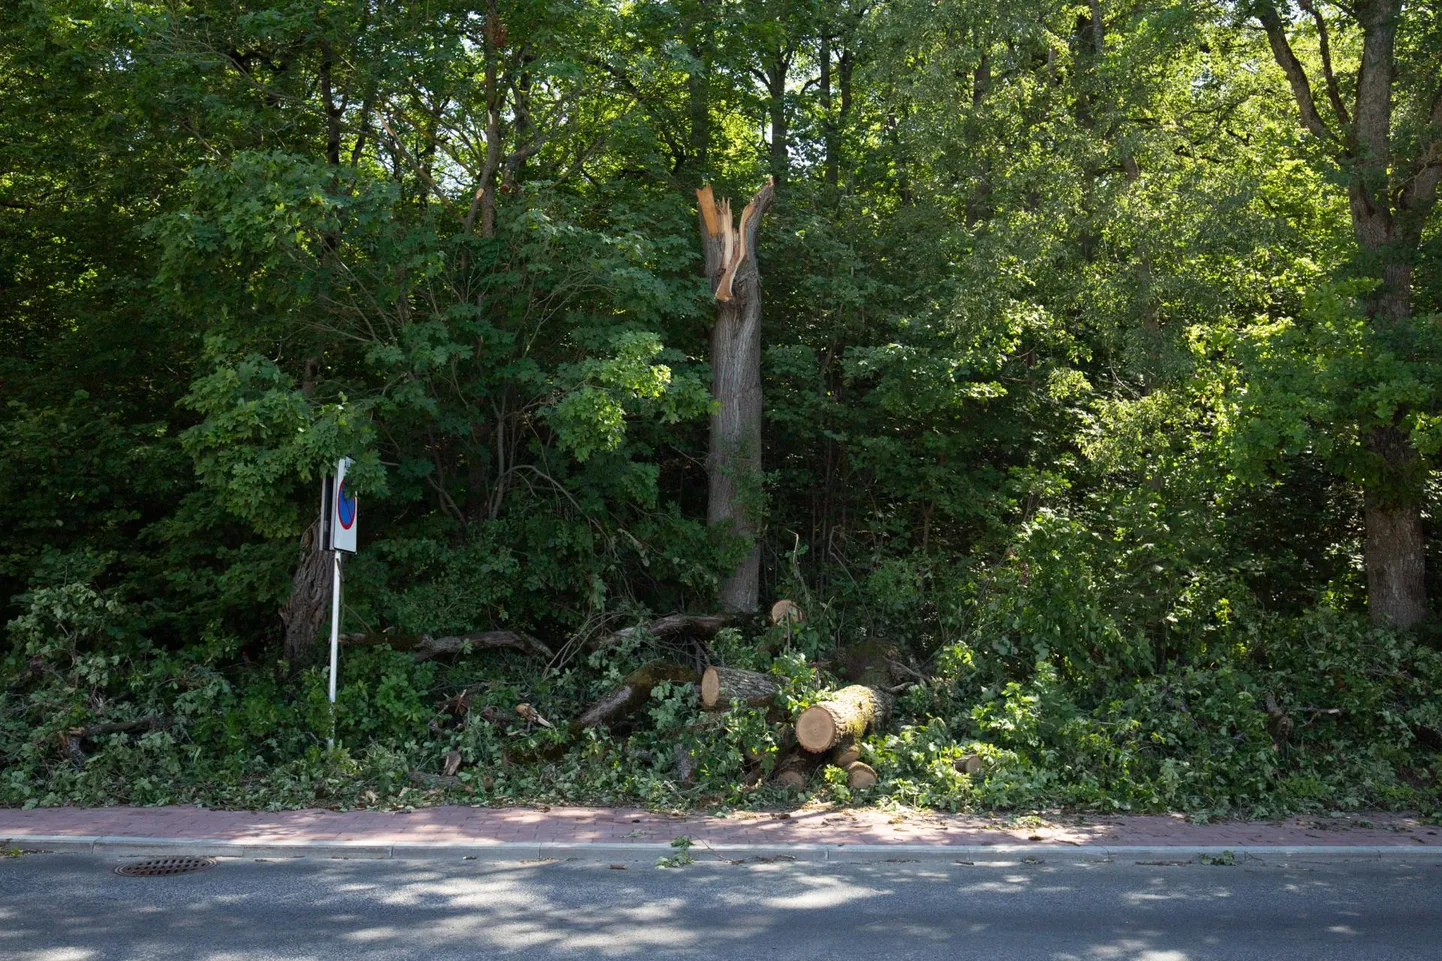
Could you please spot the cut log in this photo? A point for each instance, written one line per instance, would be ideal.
(720, 686)
(845, 753)
(860, 776)
(795, 770)
(786, 612)
(845, 715)
(968, 764)
(634, 691)
(118, 727)
(425, 646)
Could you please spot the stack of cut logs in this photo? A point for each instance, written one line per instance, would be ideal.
(827, 731)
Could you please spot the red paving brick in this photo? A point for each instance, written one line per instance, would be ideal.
(469, 825)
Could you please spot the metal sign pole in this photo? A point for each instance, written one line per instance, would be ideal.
(334, 641)
(339, 532)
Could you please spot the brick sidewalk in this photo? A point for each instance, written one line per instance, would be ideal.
(580, 825)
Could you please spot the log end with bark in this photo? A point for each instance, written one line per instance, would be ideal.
(786, 612)
(847, 714)
(794, 771)
(860, 776)
(969, 764)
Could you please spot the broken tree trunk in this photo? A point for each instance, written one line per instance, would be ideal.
(847, 752)
(424, 646)
(720, 686)
(734, 459)
(845, 715)
(634, 691)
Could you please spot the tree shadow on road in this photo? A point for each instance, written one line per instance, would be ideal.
(62, 908)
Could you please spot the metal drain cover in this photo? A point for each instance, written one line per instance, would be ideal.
(160, 867)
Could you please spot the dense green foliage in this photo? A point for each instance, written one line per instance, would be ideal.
(1071, 378)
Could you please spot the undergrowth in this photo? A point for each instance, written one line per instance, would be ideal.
(1054, 731)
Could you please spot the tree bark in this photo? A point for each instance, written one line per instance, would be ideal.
(844, 716)
(698, 92)
(780, 132)
(734, 460)
(720, 686)
(305, 609)
(1394, 552)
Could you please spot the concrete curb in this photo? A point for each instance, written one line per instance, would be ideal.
(512, 851)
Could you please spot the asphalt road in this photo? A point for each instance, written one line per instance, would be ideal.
(70, 907)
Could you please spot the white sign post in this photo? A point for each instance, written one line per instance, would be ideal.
(342, 510)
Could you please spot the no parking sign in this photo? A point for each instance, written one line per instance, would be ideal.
(341, 511)
(344, 511)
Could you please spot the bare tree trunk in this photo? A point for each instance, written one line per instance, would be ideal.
(1393, 550)
(735, 455)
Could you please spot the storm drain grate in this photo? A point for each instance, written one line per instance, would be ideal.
(161, 867)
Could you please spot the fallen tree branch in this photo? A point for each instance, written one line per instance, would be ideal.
(425, 646)
(70, 739)
(634, 691)
(672, 625)
(150, 723)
